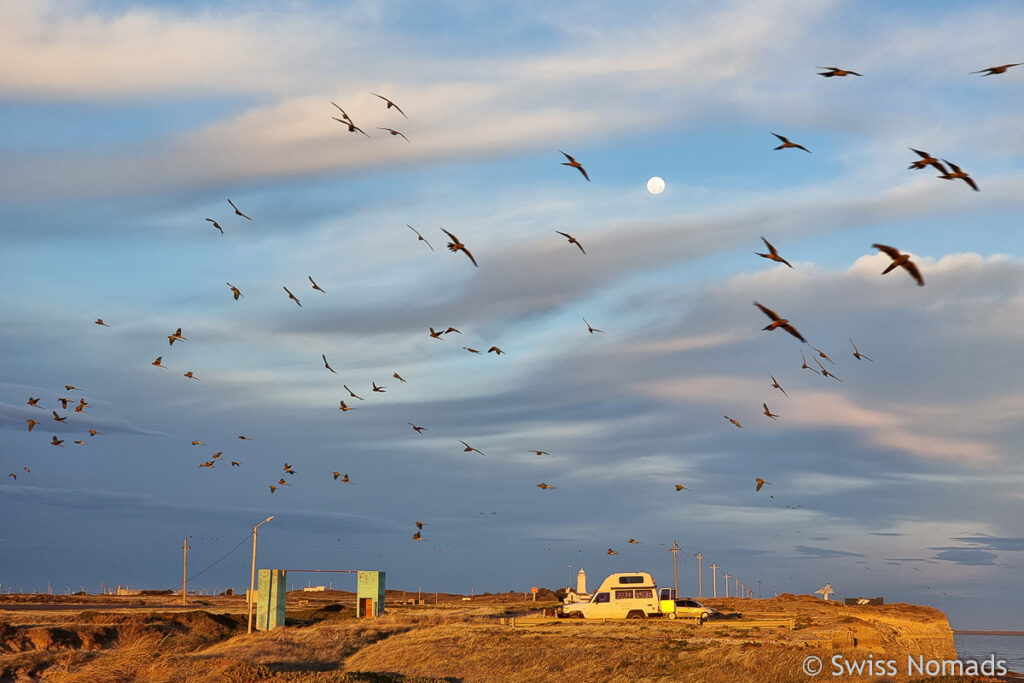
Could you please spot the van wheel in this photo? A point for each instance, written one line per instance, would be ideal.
(636, 614)
(576, 615)
(671, 615)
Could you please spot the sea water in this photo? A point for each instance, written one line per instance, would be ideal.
(1008, 648)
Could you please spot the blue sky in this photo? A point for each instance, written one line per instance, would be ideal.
(128, 124)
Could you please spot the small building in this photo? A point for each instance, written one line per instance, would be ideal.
(124, 590)
(314, 589)
(370, 595)
(579, 594)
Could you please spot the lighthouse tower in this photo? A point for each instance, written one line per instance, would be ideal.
(581, 582)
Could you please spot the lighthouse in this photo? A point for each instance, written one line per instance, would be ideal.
(581, 582)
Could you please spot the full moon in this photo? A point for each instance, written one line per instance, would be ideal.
(655, 185)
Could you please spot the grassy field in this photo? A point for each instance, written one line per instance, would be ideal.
(455, 640)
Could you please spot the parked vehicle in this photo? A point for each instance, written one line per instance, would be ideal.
(688, 608)
(623, 595)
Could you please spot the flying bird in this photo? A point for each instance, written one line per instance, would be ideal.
(344, 406)
(544, 486)
(352, 127)
(469, 448)
(455, 245)
(234, 290)
(272, 488)
(779, 322)
(417, 428)
(857, 354)
(450, 330)
(772, 253)
(352, 393)
(34, 402)
(761, 482)
(390, 104)
(420, 237)
(315, 285)
(735, 422)
(71, 387)
(197, 443)
(343, 114)
(419, 525)
(680, 487)
(379, 390)
(786, 143)
(632, 540)
(288, 469)
(208, 463)
(825, 372)
(591, 329)
(99, 321)
(328, 365)
(63, 402)
(805, 366)
(171, 338)
(235, 463)
(958, 173)
(157, 362)
(190, 376)
(776, 385)
(393, 132)
(435, 334)
(398, 377)
(93, 432)
(572, 240)
(993, 70)
(470, 350)
(926, 160)
(495, 350)
(417, 536)
(216, 456)
(836, 71)
(282, 482)
(237, 212)
(823, 355)
(292, 297)
(611, 552)
(538, 452)
(574, 164)
(769, 413)
(31, 424)
(899, 259)
(243, 437)
(57, 442)
(216, 225)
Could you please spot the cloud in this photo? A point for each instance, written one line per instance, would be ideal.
(824, 553)
(969, 558)
(993, 542)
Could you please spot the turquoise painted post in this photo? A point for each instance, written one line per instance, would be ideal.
(270, 595)
(370, 587)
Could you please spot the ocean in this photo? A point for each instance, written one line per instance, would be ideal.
(1009, 648)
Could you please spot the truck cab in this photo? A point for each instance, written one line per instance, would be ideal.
(623, 595)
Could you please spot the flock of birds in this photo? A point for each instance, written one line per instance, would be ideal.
(946, 169)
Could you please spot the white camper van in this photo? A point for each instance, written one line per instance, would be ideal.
(623, 595)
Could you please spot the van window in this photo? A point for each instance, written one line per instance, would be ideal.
(644, 593)
(668, 594)
(631, 579)
(623, 595)
(601, 597)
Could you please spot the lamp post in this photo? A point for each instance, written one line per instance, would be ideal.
(252, 581)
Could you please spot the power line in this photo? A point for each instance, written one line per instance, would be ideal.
(222, 557)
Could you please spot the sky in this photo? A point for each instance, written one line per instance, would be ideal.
(127, 125)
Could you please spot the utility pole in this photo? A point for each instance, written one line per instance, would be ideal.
(737, 586)
(727, 584)
(185, 547)
(700, 577)
(714, 577)
(675, 566)
(759, 589)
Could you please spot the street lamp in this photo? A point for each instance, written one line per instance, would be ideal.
(252, 581)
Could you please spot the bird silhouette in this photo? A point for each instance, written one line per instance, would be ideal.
(495, 350)
(574, 164)
(272, 488)
(572, 240)
(776, 385)
(57, 442)
(197, 443)
(315, 285)
(344, 406)
(93, 432)
(957, 172)
(761, 482)
(99, 321)
(591, 329)
(171, 338)
(417, 536)
(352, 127)
(59, 418)
(216, 225)
(379, 390)
(390, 104)
(234, 291)
(352, 393)
(772, 253)
(902, 260)
(455, 245)
(435, 334)
(544, 486)
(632, 540)
(237, 212)
(191, 376)
(469, 448)
(926, 160)
(398, 377)
(787, 144)
(993, 70)
(328, 365)
(34, 402)
(419, 525)
(778, 321)
(805, 366)
(857, 354)
(71, 387)
(450, 330)
(769, 413)
(420, 237)
(538, 452)
(393, 132)
(832, 71)
(63, 402)
(235, 463)
(470, 350)
(611, 552)
(417, 428)
(735, 422)
(825, 372)
(680, 487)
(292, 297)
(823, 355)
(31, 424)
(243, 437)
